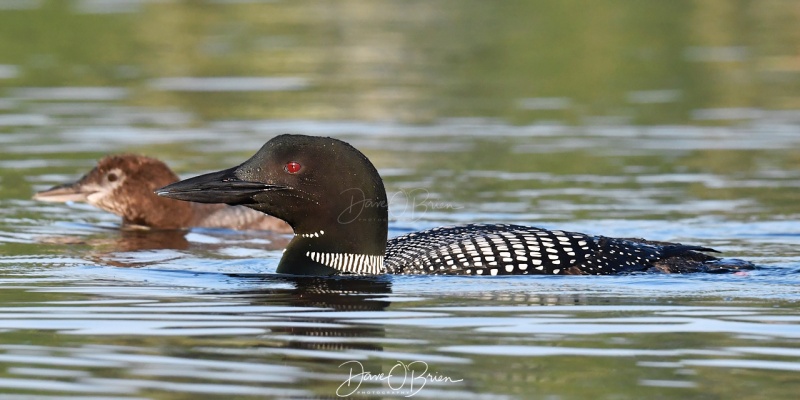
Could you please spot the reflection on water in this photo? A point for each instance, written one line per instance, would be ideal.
(672, 121)
(653, 63)
(291, 336)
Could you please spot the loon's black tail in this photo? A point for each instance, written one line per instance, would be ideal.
(679, 258)
(683, 250)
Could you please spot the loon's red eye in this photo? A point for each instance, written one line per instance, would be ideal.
(292, 167)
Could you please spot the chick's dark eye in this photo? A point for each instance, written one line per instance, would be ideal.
(292, 167)
(111, 177)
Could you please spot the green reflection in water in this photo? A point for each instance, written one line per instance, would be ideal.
(419, 61)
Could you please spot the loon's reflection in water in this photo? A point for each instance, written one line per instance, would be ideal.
(332, 294)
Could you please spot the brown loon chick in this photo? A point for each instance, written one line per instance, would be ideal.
(123, 185)
(333, 197)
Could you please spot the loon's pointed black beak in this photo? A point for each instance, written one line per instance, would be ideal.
(216, 187)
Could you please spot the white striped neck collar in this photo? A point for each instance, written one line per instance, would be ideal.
(348, 262)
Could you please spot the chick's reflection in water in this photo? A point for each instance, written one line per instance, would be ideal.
(144, 247)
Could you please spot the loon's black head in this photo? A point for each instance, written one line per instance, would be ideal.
(328, 191)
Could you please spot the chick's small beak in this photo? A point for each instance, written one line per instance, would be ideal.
(63, 193)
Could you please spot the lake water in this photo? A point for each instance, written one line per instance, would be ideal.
(671, 121)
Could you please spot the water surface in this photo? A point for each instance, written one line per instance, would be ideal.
(673, 121)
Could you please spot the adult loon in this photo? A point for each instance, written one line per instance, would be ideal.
(123, 185)
(333, 197)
